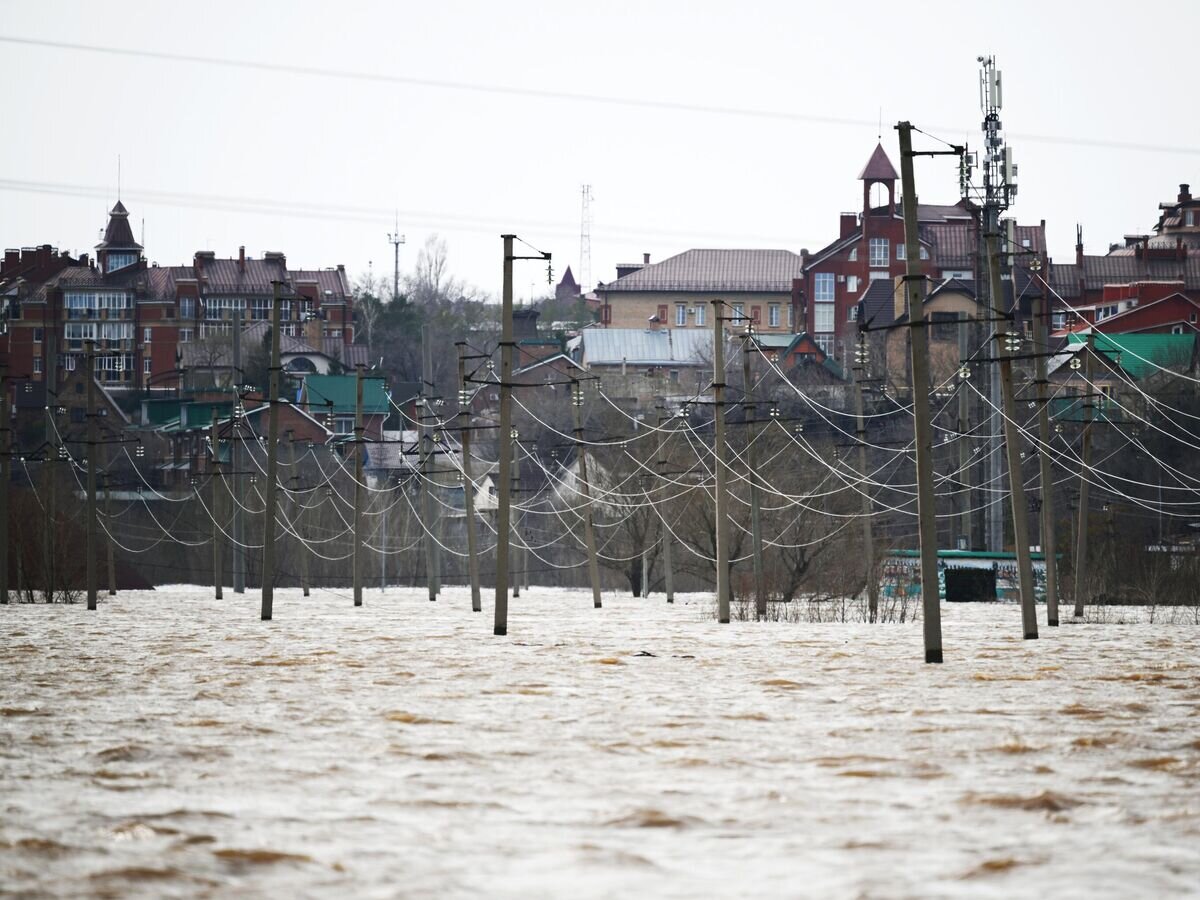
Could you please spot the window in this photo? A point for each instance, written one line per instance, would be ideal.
(187, 308)
(673, 375)
(852, 283)
(1103, 312)
(661, 313)
(1189, 218)
(823, 316)
(185, 335)
(701, 313)
(825, 342)
(145, 335)
(823, 287)
(223, 307)
(288, 329)
(879, 252)
(333, 332)
(756, 314)
(773, 315)
(207, 329)
(343, 425)
(899, 253)
(260, 309)
(71, 363)
(37, 364)
(1176, 329)
(606, 314)
(680, 314)
(739, 313)
(116, 261)
(853, 257)
(1058, 321)
(789, 309)
(852, 313)
(37, 335)
(116, 331)
(1192, 319)
(75, 333)
(146, 365)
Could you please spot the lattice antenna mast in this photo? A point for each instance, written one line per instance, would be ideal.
(585, 241)
(999, 171)
(396, 239)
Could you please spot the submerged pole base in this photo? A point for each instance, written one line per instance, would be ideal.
(1053, 623)
(500, 630)
(933, 656)
(1031, 635)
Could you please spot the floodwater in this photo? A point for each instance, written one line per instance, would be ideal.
(171, 745)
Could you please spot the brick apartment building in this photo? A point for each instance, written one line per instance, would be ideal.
(140, 315)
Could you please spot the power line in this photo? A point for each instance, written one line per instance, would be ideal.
(573, 97)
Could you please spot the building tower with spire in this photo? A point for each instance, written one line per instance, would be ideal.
(118, 249)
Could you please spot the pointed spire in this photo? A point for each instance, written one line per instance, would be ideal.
(878, 167)
(118, 234)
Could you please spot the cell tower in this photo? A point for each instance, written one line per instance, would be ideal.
(585, 241)
(396, 239)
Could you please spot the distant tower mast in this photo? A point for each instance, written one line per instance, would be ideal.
(396, 239)
(585, 241)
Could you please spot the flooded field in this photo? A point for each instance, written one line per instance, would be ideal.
(171, 745)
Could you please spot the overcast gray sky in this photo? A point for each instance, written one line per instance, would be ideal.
(239, 147)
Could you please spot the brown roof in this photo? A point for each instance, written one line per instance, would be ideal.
(878, 167)
(118, 234)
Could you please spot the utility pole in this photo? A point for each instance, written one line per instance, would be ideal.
(1081, 538)
(109, 552)
(861, 356)
(750, 407)
(964, 426)
(464, 419)
(1041, 313)
(396, 239)
(90, 362)
(428, 513)
(215, 493)
(268, 565)
(235, 460)
(358, 487)
(589, 532)
(1012, 446)
(301, 547)
(5, 476)
(54, 452)
(585, 241)
(668, 575)
(914, 287)
(519, 560)
(504, 476)
(722, 500)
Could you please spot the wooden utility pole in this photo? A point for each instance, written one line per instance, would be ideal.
(92, 446)
(429, 512)
(1012, 447)
(504, 474)
(722, 501)
(750, 407)
(464, 431)
(53, 450)
(1081, 537)
(589, 532)
(668, 575)
(914, 288)
(235, 461)
(214, 482)
(358, 560)
(872, 577)
(5, 476)
(1049, 542)
(268, 566)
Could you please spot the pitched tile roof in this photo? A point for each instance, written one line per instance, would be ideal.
(715, 270)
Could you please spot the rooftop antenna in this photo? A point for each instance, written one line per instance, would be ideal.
(118, 177)
(879, 136)
(585, 241)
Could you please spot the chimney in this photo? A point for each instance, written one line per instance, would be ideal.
(799, 317)
(849, 223)
(11, 259)
(242, 258)
(1079, 248)
(1185, 193)
(201, 257)
(645, 259)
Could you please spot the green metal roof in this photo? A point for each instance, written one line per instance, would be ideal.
(340, 389)
(1142, 354)
(159, 412)
(968, 554)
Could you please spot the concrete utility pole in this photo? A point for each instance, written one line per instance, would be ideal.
(214, 482)
(358, 561)
(914, 288)
(109, 552)
(1081, 538)
(268, 566)
(964, 426)
(722, 501)
(464, 426)
(750, 407)
(301, 547)
(5, 476)
(519, 555)
(668, 574)
(589, 532)
(504, 475)
(1049, 541)
(92, 446)
(1012, 447)
(53, 451)
(428, 514)
(235, 461)
(872, 577)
